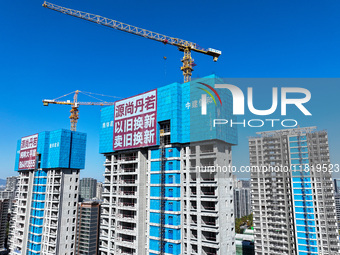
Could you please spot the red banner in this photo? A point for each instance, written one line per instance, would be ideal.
(28, 152)
(135, 121)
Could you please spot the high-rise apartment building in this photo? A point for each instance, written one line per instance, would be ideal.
(8, 194)
(99, 191)
(337, 208)
(44, 220)
(337, 185)
(293, 204)
(87, 189)
(242, 202)
(11, 183)
(4, 210)
(10, 190)
(159, 195)
(6, 201)
(238, 183)
(88, 228)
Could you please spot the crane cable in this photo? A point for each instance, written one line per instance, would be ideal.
(86, 93)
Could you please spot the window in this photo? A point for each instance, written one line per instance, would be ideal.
(171, 206)
(171, 179)
(171, 192)
(171, 165)
(171, 220)
(171, 235)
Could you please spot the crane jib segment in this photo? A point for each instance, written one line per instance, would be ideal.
(75, 105)
(132, 29)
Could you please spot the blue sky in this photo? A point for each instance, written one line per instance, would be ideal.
(46, 54)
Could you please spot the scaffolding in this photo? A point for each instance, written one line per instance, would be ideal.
(162, 187)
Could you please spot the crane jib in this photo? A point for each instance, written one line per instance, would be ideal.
(183, 45)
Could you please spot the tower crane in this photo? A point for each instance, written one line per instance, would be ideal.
(75, 105)
(182, 45)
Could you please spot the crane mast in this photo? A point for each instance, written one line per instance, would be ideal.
(183, 45)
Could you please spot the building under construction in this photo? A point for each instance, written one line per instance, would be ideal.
(44, 218)
(294, 210)
(155, 198)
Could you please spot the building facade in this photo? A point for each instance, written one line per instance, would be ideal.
(158, 196)
(242, 202)
(87, 189)
(88, 220)
(337, 185)
(10, 189)
(99, 191)
(11, 183)
(4, 210)
(337, 208)
(293, 205)
(239, 183)
(44, 219)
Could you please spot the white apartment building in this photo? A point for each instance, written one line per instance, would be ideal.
(294, 210)
(45, 212)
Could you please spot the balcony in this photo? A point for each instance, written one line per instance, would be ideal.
(208, 236)
(56, 191)
(128, 169)
(126, 204)
(208, 206)
(128, 157)
(209, 221)
(126, 226)
(127, 193)
(193, 234)
(125, 251)
(128, 240)
(208, 191)
(209, 251)
(127, 216)
(128, 181)
(208, 179)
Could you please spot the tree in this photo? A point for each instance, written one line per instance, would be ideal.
(245, 221)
